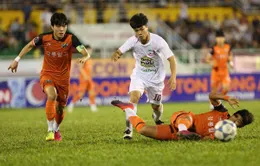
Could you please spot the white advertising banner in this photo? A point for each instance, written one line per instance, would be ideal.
(102, 35)
(247, 63)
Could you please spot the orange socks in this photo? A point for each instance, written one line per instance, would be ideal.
(137, 122)
(50, 109)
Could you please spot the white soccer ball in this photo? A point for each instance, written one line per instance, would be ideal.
(225, 130)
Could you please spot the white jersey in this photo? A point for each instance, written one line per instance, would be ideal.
(149, 57)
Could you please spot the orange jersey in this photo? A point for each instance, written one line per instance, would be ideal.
(87, 67)
(204, 123)
(57, 55)
(221, 55)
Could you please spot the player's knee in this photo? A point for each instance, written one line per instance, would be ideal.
(52, 96)
(134, 99)
(135, 96)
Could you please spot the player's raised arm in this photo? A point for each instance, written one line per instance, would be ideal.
(36, 41)
(214, 97)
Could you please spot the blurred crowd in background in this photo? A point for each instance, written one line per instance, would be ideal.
(199, 32)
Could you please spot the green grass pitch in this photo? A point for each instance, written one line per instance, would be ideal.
(96, 139)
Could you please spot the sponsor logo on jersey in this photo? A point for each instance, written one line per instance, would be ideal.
(64, 45)
(147, 62)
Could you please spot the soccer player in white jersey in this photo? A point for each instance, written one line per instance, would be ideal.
(149, 51)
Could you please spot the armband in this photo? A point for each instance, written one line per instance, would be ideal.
(80, 48)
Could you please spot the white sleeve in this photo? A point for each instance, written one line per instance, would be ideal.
(165, 49)
(129, 44)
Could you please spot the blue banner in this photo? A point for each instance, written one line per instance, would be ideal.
(20, 92)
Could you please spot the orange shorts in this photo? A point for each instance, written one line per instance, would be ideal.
(86, 85)
(180, 114)
(220, 79)
(61, 87)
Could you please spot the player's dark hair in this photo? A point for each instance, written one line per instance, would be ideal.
(59, 19)
(138, 20)
(220, 33)
(246, 116)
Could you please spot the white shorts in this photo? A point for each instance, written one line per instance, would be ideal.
(153, 91)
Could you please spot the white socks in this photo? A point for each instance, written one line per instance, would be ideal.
(50, 125)
(129, 112)
(70, 107)
(56, 127)
(182, 127)
(158, 114)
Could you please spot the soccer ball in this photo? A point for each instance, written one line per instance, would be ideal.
(225, 130)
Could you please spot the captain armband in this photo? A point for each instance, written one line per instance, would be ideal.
(80, 48)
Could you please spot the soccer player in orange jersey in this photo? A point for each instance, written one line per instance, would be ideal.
(187, 125)
(219, 58)
(55, 73)
(85, 84)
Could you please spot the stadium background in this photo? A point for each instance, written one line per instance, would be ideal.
(188, 27)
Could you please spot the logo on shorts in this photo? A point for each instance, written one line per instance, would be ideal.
(64, 45)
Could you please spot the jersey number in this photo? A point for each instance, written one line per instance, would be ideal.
(157, 97)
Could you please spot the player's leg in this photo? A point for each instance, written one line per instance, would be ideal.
(226, 85)
(134, 98)
(161, 132)
(154, 95)
(59, 116)
(136, 89)
(92, 96)
(51, 92)
(62, 91)
(214, 84)
(80, 93)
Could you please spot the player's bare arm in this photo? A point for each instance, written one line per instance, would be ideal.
(85, 54)
(215, 97)
(116, 55)
(172, 80)
(209, 60)
(230, 60)
(13, 66)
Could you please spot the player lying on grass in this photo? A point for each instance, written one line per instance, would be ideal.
(187, 125)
